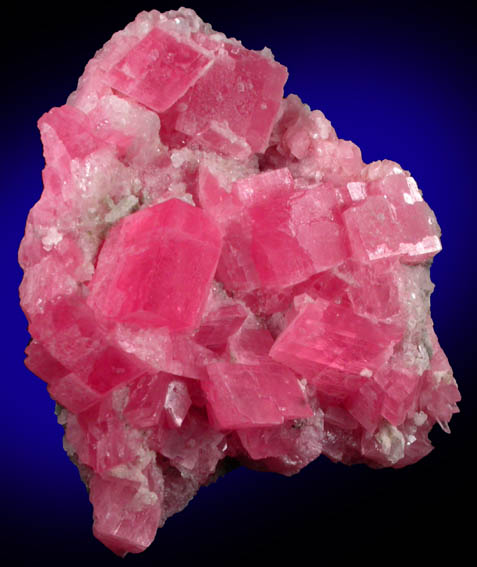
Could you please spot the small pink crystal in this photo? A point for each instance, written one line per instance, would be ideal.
(212, 275)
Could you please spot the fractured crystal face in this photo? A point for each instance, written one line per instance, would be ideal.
(211, 274)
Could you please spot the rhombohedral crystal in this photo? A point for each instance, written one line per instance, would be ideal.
(213, 277)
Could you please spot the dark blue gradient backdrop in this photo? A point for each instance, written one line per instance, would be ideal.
(398, 81)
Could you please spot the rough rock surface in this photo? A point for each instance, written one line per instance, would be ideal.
(211, 274)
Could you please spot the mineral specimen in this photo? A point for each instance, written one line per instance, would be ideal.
(212, 275)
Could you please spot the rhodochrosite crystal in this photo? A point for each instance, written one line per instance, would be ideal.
(212, 276)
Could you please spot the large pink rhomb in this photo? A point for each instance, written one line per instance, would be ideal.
(212, 275)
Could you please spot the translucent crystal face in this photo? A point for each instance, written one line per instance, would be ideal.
(211, 274)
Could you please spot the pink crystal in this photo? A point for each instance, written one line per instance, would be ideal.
(242, 396)
(212, 275)
(157, 70)
(328, 335)
(168, 255)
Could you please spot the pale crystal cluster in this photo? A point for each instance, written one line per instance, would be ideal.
(212, 276)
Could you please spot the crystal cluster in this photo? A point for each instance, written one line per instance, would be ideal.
(212, 276)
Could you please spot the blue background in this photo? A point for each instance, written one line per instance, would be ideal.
(399, 82)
